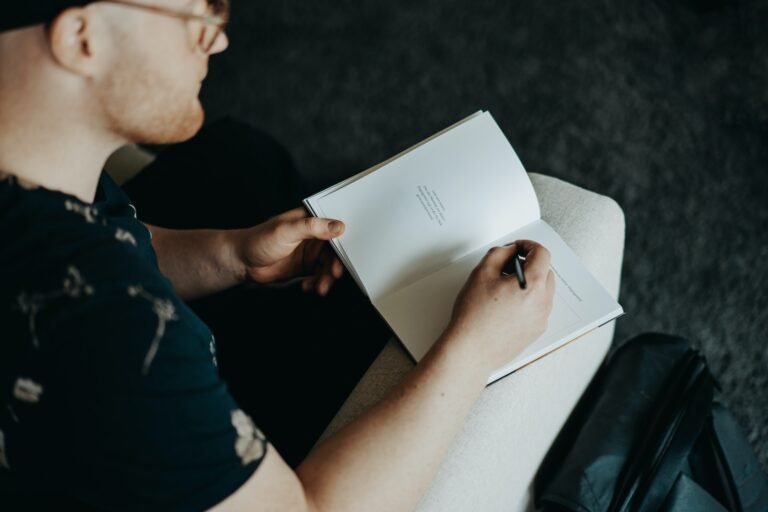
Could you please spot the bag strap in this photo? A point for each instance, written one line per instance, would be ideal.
(677, 422)
(725, 463)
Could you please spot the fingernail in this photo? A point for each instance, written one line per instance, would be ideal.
(334, 226)
(510, 243)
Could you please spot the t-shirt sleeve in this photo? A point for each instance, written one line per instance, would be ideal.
(133, 414)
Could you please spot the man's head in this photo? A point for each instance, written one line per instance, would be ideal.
(132, 67)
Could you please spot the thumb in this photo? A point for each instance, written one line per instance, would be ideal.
(313, 227)
(496, 258)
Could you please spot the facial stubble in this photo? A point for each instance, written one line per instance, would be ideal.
(147, 106)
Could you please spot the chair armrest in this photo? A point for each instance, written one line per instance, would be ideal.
(494, 459)
(126, 162)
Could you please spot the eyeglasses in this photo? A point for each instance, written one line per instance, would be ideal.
(204, 28)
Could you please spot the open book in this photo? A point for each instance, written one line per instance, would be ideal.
(418, 223)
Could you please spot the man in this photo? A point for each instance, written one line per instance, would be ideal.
(110, 391)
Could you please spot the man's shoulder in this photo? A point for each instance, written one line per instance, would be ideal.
(93, 293)
(41, 245)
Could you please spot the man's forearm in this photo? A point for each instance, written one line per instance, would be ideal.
(198, 262)
(386, 459)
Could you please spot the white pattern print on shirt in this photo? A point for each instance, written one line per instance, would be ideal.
(91, 216)
(31, 304)
(125, 236)
(250, 444)
(88, 212)
(212, 347)
(165, 312)
(27, 390)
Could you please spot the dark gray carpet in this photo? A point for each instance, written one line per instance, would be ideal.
(661, 105)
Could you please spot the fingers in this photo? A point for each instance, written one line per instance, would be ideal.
(537, 261)
(304, 228)
(494, 260)
(327, 277)
(322, 282)
(308, 283)
(337, 268)
(535, 267)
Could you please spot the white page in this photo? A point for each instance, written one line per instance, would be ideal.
(312, 205)
(419, 313)
(431, 206)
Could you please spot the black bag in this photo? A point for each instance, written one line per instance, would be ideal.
(647, 436)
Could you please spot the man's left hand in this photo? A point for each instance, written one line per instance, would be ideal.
(290, 245)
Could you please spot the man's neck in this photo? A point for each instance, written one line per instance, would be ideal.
(69, 159)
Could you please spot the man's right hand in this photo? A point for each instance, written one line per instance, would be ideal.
(494, 314)
(410, 431)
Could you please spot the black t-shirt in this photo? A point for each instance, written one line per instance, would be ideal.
(109, 391)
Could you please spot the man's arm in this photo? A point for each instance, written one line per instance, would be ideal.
(386, 459)
(198, 262)
(285, 248)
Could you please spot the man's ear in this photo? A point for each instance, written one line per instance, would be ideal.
(72, 39)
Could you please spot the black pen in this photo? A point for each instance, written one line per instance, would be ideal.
(514, 262)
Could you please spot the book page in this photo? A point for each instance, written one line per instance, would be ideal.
(359, 175)
(420, 312)
(433, 205)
